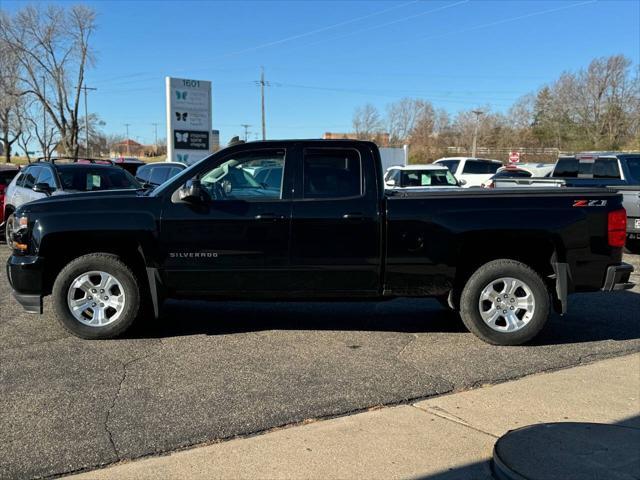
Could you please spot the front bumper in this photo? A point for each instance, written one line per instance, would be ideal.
(25, 274)
(617, 277)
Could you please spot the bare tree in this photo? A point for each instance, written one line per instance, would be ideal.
(10, 99)
(367, 122)
(404, 115)
(52, 45)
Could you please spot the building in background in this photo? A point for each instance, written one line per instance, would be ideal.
(215, 140)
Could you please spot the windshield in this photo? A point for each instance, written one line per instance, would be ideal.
(92, 178)
(427, 178)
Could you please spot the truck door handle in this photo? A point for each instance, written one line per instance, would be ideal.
(353, 216)
(266, 216)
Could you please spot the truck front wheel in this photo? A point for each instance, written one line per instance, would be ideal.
(96, 296)
(505, 303)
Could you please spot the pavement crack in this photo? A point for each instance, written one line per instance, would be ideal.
(402, 350)
(123, 377)
(111, 407)
(442, 413)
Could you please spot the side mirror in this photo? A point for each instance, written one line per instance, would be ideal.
(42, 188)
(391, 182)
(462, 182)
(191, 192)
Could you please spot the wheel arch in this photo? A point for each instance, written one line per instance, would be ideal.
(536, 249)
(61, 248)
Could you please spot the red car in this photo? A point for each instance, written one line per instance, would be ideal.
(6, 175)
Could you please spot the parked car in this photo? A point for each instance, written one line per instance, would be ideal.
(470, 172)
(44, 179)
(615, 170)
(419, 177)
(130, 164)
(330, 232)
(154, 174)
(520, 170)
(7, 173)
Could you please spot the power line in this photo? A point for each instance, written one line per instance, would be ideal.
(500, 22)
(386, 24)
(318, 30)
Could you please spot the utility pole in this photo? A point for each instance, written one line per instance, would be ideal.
(477, 113)
(155, 145)
(246, 130)
(86, 121)
(127, 137)
(263, 84)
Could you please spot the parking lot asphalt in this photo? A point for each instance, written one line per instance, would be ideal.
(212, 371)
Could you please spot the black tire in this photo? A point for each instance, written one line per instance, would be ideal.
(633, 246)
(102, 262)
(8, 228)
(492, 271)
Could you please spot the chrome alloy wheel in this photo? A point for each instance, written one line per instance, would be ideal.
(96, 298)
(506, 304)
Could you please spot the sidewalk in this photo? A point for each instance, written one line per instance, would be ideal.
(447, 437)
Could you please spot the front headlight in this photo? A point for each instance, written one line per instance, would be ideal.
(19, 236)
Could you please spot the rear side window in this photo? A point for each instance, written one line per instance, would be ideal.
(606, 168)
(479, 167)
(332, 173)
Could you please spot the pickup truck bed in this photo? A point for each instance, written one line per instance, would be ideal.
(329, 231)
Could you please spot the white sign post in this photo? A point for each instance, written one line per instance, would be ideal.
(188, 120)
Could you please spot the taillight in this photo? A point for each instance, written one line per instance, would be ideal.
(617, 228)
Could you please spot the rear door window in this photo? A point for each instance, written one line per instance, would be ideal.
(332, 173)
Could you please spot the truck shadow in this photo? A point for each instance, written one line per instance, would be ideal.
(591, 317)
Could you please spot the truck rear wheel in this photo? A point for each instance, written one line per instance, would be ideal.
(505, 303)
(96, 296)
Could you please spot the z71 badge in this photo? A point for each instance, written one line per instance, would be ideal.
(589, 203)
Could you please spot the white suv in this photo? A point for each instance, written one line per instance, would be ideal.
(471, 172)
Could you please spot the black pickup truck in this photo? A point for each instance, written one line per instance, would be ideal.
(320, 226)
